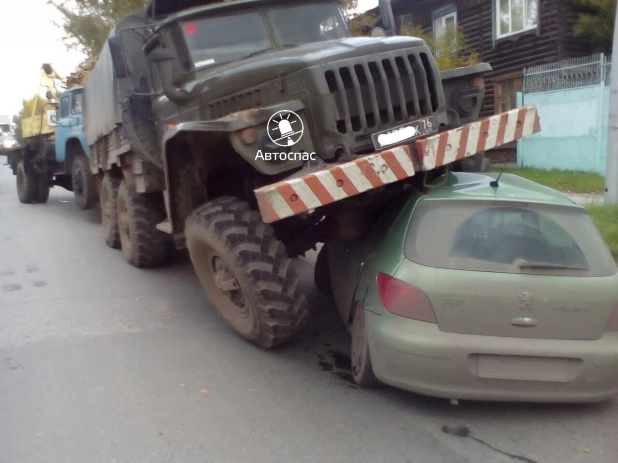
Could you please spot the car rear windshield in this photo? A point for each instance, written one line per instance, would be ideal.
(217, 40)
(507, 238)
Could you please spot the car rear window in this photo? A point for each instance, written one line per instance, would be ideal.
(507, 238)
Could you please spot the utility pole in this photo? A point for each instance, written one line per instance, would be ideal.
(611, 167)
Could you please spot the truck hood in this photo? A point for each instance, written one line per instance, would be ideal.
(262, 68)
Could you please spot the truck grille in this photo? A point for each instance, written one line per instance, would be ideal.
(381, 92)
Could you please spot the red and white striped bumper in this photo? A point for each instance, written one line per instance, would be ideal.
(340, 181)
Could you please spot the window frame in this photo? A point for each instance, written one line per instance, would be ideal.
(67, 99)
(74, 96)
(513, 35)
(443, 18)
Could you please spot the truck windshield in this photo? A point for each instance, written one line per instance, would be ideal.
(298, 25)
(222, 39)
(5, 128)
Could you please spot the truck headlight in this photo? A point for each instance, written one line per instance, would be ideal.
(8, 143)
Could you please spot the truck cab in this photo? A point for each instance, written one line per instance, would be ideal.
(70, 129)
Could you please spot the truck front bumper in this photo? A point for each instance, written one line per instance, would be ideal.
(311, 189)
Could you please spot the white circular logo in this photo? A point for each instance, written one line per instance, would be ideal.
(285, 128)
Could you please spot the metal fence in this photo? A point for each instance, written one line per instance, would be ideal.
(567, 74)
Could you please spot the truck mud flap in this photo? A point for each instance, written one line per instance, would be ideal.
(334, 182)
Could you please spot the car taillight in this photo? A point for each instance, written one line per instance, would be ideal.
(403, 299)
(613, 321)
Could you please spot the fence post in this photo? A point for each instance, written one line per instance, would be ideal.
(601, 144)
(611, 169)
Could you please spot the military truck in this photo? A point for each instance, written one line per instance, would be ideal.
(55, 152)
(251, 131)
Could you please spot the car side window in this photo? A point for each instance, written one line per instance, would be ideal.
(64, 106)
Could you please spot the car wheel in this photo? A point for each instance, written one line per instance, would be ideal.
(362, 370)
(321, 272)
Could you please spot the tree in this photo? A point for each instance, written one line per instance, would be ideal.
(450, 50)
(361, 25)
(349, 8)
(87, 23)
(595, 22)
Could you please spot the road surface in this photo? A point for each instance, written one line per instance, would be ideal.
(102, 362)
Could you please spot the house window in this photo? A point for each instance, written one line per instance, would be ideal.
(443, 24)
(515, 16)
(505, 93)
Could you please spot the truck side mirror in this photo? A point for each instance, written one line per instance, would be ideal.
(377, 32)
(117, 51)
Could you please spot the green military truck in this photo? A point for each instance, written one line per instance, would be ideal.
(250, 131)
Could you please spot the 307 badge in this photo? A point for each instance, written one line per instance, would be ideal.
(409, 131)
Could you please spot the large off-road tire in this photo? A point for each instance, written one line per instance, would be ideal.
(26, 185)
(321, 272)
(362, 369)
(143, 245)
(109, 210)
(42, 189)
(84, 185)
(246, 271)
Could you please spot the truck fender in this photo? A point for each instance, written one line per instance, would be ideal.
(75, 144)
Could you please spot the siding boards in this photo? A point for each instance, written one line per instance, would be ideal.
(553, 42)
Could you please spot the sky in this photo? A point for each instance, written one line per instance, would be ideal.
(29, 38)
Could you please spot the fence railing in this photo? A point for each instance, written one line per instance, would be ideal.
(572, 73)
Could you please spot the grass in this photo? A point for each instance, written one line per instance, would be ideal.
(567, 181)
(605, 219)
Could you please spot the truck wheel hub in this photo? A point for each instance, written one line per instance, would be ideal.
(227, 283)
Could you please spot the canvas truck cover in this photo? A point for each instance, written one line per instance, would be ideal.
(103, 92)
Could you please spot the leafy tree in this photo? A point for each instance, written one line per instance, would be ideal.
(348, 7)
(87, 23)
(450, 50)
(596, 23)
(362, 24)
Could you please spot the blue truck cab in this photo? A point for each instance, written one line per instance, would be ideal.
(61, 160)
(70, 138)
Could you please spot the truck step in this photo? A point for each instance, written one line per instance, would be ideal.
(334, 182)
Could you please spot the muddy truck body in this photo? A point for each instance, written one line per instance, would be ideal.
(250, 131)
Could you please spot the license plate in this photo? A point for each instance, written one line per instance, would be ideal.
(406, 132)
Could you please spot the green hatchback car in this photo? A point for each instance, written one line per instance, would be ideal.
(481, 290)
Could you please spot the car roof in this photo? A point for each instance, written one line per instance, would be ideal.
(512, 188)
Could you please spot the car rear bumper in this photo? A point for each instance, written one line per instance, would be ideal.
(418, 357)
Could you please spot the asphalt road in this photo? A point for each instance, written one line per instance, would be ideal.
(102, 362)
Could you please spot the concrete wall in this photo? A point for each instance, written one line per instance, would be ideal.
(573, 130)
